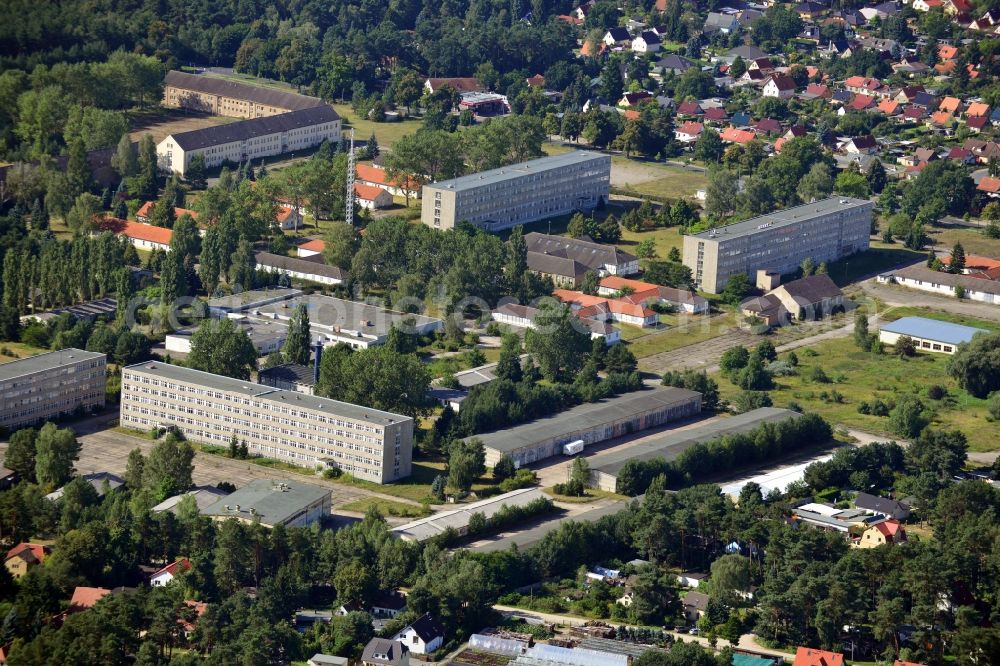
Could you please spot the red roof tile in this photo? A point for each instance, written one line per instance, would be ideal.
(86, 597)
(813, 657)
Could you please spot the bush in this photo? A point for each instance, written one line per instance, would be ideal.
(781, 369)
(907, 418)
(746, 401)
(993, 404)
(818, 375)
(936, 392)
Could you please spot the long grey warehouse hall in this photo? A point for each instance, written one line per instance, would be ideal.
(604, 468)
(592, 423)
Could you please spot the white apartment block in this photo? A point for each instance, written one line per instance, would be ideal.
(824, 230)
(250, 139)
(291, 427)
(521, 193)
(50, 385)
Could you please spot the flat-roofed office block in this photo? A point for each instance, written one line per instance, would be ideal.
(520, 193)
(50, 385)
(824, 230)
(291, 427)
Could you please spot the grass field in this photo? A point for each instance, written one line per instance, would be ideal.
(11, 351)
(663, 239)
(677, 182)
(387, 508)
(973, 240)
(692, 331)
(858, 375)
(386, 133)
(878, 259)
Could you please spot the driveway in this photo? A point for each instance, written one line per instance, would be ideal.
(748, 641)
(904, 297)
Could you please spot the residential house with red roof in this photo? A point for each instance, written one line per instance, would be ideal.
(812, 657)
(816, 90)
(977, 109)
(734, 135)
(950, 104)
(371, 198)
(767, 126)
(168, 573)
(460, 84)
(940, 118)
(861, 102)
(990, 185)
(977, 123)
(926, 5)
(634, 98)
(779, 86)
(866, 86)
(688, 132)
(377, 177)
(536, 81)
(25, 556)
(310, 248)
(886, 533)
(86, 597)
(715, 114)
(689, 108)
(889, 107)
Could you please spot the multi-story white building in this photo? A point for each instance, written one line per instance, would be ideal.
(290, 427)
(824, 230)
(50, 385)
(520, 193)
(250, 139)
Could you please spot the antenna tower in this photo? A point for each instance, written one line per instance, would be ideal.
(349, 200)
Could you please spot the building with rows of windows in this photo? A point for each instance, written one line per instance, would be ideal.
(249, 139)
(50, 385)
(287, 426)
(520, 193)
(222, 97)
(824, 230)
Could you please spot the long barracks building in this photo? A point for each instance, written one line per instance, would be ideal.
(824, 230)
(291, 427)
(520, 193)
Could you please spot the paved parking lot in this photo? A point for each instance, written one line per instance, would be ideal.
(106, 450)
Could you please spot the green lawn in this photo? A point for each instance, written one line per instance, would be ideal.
(696, 329)
(386, 133)
(416, 487)
(973, 240)
(11, 351)
(676, 182)
(858, 375)
(593, 494)
(663, 239)
(387, 508)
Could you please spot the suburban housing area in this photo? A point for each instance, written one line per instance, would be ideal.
(586, 333)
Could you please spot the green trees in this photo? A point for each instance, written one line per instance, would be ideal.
(504, 469)
(297, 345)
(380, 377)
(816, 184)
(907, 418)
(167, 471)
(557, 343)
(737, 288)
(56, 449)
(709, 147)
(509, 363)
(695, 381)
(341, 243)
(957, 261)
(938, 452)
(221, 348)
(466, 463)
(20, 456)
(862, 337)
(976, 365)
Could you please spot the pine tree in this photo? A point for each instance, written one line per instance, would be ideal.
(242, 265)
(121, 210)
(123, 293)
(106, 199)
(371, 148)
(957, 263)
(296, 348)
(39, 216)
(123, 161)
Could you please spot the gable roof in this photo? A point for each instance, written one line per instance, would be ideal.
(782, 82)
(715, 113)
(459, 84)
(249, 129)
(86, 597)
(767, 125)
(978, 109)
(373, 174)
(884, 505)
(818, 90)
(148, 206)
(316, 245)
(696, 600)
(29, 552)
(888, 106)
(590, 254)
(812, 657)
(296, 264)
(689, 108)
(690, 127)
(175, 568)
(674, 61)
(619, 34)
(861, 102)
(368, 192)
(427, 628)
(139, 231)
(257, 94)
(889, 528)
(383, 651)
(950, 104)
(650, 37)
(734, 135)
(811, 289)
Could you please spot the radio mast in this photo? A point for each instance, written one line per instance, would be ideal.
(349, 201)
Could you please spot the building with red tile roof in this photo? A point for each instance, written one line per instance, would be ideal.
(376, 177)
(734, 135)
(311, 248)
(23, 557)
(814, 90)
(861, 102)
(688, 131)
(607, 309)
(977, 123)
(716, 113)
(372, 198)
(646, 292)
(941, 118)
(536, 81)
(85, 597)
(989, 185)
(170, 572)
(143, 236)
(977, 109)
(812, 657)
(889, 107)
(142, 215)
(947, 51)
(950, 104)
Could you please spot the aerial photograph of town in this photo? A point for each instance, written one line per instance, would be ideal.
(500, 333)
